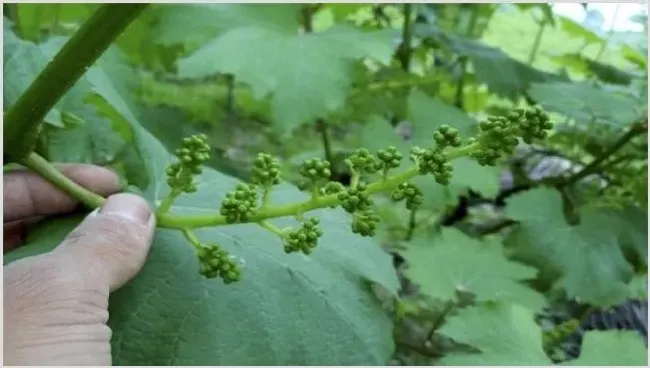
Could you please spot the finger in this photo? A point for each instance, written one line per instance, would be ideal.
(15, 232)
(111, 244)
(26, 194)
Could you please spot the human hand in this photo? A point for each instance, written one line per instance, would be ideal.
(56, 304)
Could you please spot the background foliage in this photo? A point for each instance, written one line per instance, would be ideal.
(490, 271)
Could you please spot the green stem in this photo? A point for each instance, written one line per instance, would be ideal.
(595, 165)
(24, 118)
(191, 237)
(167, 202)
(211, 220)
(11, 11)
(185, 222)
(41, 166)
(272, 228)
(536, 43)
(411, 225)
(266, 197)
(321, 126)
(405, 52)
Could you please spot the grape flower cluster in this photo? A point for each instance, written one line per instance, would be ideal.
(497, 137)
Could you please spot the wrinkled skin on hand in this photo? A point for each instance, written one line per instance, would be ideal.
(56, 304)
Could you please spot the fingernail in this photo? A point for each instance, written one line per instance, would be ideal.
(128, 206)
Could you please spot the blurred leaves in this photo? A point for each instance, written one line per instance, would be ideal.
(586, 103)
(503, 75)
(307, 75)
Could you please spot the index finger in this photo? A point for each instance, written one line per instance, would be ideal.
(26, 194)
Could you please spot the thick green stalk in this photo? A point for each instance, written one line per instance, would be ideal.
(42, 167)
(23, 120)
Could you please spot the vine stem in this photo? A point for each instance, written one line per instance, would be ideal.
(382, 185)
(41, 166)
(186, 222)
(594, 165)
(23, 121)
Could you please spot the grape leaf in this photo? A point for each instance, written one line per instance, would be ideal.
(632, 226)
(502, 74)
(585, 260)
(611, 348)
(378, 134)
(307, 75)
(195, 24)
(506, 334)
(584, 103)
(301, 310)
(594, 68)
(454, 262)
(576, 30)
(23, 60)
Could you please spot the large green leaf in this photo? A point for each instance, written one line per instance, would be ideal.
(307, 75)
(576, 30)
(585, 260)
(594, 68)
(585, 103)
(453, 262)
(23, 60)
(287, 310)
(612, 348)
(195, 24)
(506, 334)
(503, 75)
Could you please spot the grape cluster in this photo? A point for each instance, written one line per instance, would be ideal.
(499, 135)
(304, 239)
(533, 124)
(447, 136)
(409, 192)
(362, 161)
(216, 262)
(355, 199)
(266, 170)
(240, 203)
(365, 223)
(191, 156)
(433, 161)
(315, 169)
(390, 157)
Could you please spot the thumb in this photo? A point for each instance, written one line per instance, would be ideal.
(112, 243)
